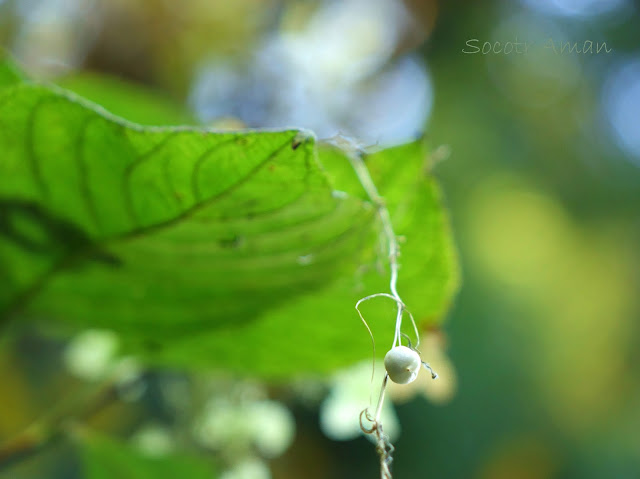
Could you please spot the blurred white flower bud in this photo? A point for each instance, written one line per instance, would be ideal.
(250, 468)
(90, 354)
(273, 427)
(238, 427)
(340, 411)
(153, 440)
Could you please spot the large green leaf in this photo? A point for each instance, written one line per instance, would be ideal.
(243, 250)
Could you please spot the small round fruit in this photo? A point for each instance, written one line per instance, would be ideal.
(402, 364)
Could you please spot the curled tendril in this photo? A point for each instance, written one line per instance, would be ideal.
(384, 448)
(369, 418)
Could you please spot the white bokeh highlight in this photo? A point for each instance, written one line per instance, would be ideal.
(578, 8)
(621, 104)
(335, 76)
(90, 354)
(348, 396)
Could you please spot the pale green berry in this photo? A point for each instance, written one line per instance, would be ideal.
(402, 364)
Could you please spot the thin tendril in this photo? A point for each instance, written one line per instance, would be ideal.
(415, 327)
(373, 345)
(392, 241)
(383, 445)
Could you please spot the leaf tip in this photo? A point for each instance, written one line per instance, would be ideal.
(302, 137)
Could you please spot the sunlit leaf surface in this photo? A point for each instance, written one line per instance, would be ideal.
(239, 250)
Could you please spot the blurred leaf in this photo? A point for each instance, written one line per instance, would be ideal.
(130, 101)
(9, 74)
(106, 458)
(207, 249)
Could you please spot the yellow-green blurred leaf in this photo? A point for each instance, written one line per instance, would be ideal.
(106, 458)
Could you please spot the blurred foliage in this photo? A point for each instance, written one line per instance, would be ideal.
(545, 336)
(106, 458)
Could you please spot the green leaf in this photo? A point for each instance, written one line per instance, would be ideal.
(244, 250)
(106, 458)
(319, 330)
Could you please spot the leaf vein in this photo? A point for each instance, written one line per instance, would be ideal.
(127, 189)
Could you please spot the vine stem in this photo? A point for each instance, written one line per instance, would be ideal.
(383, 445)
(387, 227)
